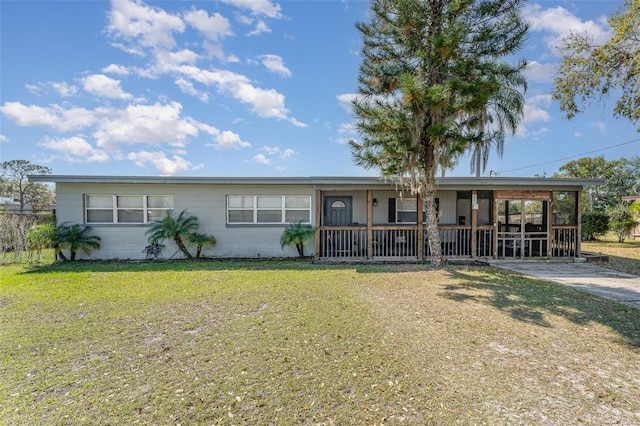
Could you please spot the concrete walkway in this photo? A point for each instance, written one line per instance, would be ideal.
(603, 282)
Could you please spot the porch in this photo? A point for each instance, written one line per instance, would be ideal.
(350, 225)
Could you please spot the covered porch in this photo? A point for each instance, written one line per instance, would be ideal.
(381, 224)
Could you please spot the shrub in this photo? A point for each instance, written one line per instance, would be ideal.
(621, 222)
(295, 235)
(593, 224)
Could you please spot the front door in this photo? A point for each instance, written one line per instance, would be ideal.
(337, 211)
(523, 228)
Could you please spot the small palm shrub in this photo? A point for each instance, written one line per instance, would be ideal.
(180, 229)
(201, 241)
(295, 235)
(42, 236)
(74, 238)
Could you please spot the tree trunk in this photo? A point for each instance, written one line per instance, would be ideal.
(429, 197)
(183, 248)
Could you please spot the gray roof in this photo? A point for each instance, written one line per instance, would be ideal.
(327, 182)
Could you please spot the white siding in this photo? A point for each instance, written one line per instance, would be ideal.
(206, 202)
(448, 207)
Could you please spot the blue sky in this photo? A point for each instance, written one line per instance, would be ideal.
(242, 88)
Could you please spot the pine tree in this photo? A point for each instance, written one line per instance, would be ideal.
(428, 68)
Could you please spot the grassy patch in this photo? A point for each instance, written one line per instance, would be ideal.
(293, 343)
(623, 257)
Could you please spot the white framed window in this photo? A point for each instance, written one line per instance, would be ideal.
(407, 210)
(268, 209)
(125, 208)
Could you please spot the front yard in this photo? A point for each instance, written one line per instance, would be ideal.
(623, 257)
(282, 343)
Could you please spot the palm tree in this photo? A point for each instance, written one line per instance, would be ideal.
(503, 112)
(75, 237)
(174, 228)
(42, 236)
(201, 241)
(295, 235)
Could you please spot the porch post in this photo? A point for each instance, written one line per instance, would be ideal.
(369, 223)
(579, 220)
(494, 219)
(474, 219)
(318, 223)
(420, 229)
(550, 233)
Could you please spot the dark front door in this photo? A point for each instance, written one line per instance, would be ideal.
(337, 211)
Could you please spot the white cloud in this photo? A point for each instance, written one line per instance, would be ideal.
(346, 101)
(142, 25)
(542, 73)
(288, 153)
(150, 124)
(230, 140)
(166, 166)
(64, 89)
(347, 129)
(270, 150)
(167, 62)
(274, 151)
(75, 149)
(54, 116)
(116, 69)
(342, 141)
(535, 110)
(61, 88)
(101, 85)
(261, 28)
(275, 64)
(3, 138)
(187, 88)
(258, 7)
(214, 27)
(261, 159)
(559, 23)
(267, 103)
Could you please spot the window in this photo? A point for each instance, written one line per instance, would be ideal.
(268, 209)
(565, 208)
(113, 208)
(406, 210)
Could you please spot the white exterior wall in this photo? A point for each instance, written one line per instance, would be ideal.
(381, 211)
(206, 202)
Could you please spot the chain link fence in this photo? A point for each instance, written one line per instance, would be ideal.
(14, 228)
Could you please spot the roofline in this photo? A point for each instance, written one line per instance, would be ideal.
(318, 181)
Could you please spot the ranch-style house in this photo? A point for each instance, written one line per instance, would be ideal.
(356, 218)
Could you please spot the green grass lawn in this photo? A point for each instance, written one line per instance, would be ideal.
(290, 343)
(623, 257)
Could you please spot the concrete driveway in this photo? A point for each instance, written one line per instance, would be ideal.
(603, 282)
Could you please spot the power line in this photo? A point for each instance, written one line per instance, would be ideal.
(568, 158)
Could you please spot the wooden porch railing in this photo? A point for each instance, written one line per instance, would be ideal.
(565, 241)
(400, 242)
(392, 242)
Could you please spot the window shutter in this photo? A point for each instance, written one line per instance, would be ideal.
(392, 210)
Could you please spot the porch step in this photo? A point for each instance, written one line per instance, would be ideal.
(595, 257)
